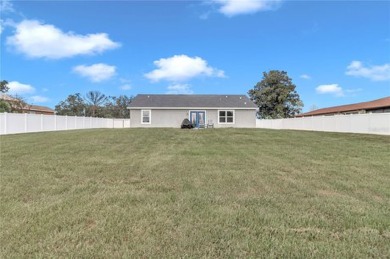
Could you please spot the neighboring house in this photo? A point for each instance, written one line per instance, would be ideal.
(27, 108)
(376, 106)
(166, 110)
(36, 109)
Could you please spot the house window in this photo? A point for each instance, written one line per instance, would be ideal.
(146, 117)
(226, 117)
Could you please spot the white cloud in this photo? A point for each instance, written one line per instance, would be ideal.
(305, 76)
(181, 68)
(6, 6)
(4, 24)
(39, 99)
(96, 72)
(375, 73)
(179, 89)
(18, 88)
(334, 89)
(236, 7)
(126, 87)
(38, 40)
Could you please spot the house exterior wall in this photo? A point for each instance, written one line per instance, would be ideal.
(246, 118)
(159, 118)
(163, 118)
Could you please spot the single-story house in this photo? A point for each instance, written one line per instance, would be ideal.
(168, 110)
(376, 106)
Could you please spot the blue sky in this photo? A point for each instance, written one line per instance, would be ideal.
(336, 52)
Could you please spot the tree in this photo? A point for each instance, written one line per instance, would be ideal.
(116, 107)
(4, 86)
(122, 102)
(73, 105)
(95, 99)
(275, 96)
(13, 103)
(18, 104)
(4, 106)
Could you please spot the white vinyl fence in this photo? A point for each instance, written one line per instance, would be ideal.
(370, 123)
(11, 123)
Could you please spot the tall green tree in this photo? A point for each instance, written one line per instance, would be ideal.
(116, 107)
(95, 99)
(4, 86)
(122, 102)
(73, 105)
(4, 105)
(276, 97)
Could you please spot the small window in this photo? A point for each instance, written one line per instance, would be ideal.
(146, 116)
(226, 117)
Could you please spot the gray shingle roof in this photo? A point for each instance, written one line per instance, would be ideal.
(191, 101)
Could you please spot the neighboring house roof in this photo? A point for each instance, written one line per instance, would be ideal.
(191, 101)
(39, 108)
(371, 105)
(36, 108)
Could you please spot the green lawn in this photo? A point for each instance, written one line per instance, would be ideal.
(195, 193)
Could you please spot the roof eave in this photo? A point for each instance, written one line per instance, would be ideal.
(192, 108)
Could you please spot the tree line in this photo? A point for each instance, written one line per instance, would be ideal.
(95, 104)
(275, 95)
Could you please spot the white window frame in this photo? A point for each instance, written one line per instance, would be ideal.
(234, 117)
(142, 116)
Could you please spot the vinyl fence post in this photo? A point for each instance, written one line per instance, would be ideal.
(66, 122)
(41, 122)
(25, 122)
(5, 122)
(55, 121)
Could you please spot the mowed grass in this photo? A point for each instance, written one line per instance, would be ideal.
(195, 193)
